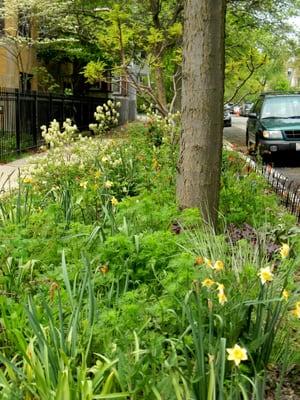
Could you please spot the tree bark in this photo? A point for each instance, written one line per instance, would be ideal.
(202, 107)
(160, 86)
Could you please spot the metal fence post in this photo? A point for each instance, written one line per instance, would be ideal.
(35, 120)
(18, 122)
(50, 107)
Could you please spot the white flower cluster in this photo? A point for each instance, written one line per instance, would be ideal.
(57, 138)
(169, 126)
(106, 116)
(167, 122)
(81, 154)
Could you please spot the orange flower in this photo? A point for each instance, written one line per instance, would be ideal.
(104, 269)
(199, 260)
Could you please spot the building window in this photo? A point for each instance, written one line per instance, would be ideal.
(2, 19)
(24, 25)
(120, 86)
(25, 82)
(2, 26)
(104, 86)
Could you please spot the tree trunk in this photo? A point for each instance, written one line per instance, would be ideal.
(178, 89)
(160, 86)
(202, 107)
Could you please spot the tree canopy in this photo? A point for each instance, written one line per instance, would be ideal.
(99, 36)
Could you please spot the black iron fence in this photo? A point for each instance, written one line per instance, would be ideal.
(22, 115)
(288, 190)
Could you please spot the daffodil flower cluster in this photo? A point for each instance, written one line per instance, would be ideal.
(106, 117)
(216, 266)
(209, 283)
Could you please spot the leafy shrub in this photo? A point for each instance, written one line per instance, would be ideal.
(246, 197)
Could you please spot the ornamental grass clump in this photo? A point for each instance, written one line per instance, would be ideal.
(243, 310)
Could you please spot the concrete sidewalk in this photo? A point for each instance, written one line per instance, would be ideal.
(9, 173)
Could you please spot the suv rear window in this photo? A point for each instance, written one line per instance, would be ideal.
(281, 107)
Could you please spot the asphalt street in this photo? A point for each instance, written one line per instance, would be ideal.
(288, 165)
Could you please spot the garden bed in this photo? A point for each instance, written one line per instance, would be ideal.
(108, 291)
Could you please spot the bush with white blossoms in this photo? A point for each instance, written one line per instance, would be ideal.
(106, 116)
(55, 137)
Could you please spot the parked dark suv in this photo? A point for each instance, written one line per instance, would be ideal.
(274, 123)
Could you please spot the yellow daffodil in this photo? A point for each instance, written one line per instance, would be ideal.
(83, 184)
(285, 250)
(237, 354)
(296, 310)
(218, 265)
(155, 163)
(28, 179)
(108, 184)
(265, 275)
(114, 201)
(220, 286)
(285, 294)
(208, 262)
(222, 298)
(208, 282)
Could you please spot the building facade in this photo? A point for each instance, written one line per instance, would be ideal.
(17, 53)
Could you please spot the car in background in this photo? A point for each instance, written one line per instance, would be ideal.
(246, 108)
(273, 124)
(227, 118)
(229, 107)
(236, 109)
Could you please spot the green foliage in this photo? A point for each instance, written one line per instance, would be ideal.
(251, 200)
(46, 81)
(94, 71)
(104, 291)
(253, 63)
(281, 84)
